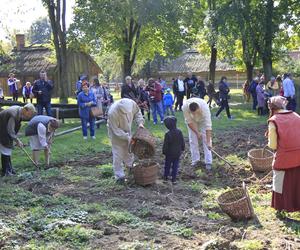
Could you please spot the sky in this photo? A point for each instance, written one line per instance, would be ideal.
(20, 14)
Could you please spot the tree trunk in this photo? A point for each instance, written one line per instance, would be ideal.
(249, 69)
(268, 37)
(60, 44)
(126, 65)
(267, 65)
(131, 41)
(212, 64)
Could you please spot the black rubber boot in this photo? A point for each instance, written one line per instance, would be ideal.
(11, 170)
(6, 168)
(3, 164)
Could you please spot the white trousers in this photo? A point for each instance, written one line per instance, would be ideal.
(121, 155)
(194, 147)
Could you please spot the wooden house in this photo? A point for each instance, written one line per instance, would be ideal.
(27, 62)
(193, 61)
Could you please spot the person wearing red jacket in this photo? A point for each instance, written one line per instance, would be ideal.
(155, 97)
(284, 138)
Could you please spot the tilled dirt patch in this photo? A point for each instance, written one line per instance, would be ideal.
(167, 216)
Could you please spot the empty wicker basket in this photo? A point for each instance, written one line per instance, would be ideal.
(236, 203)
(261, 159)
(143, 144)
(145, 173)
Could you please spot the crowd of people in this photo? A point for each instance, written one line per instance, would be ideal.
(261, 90)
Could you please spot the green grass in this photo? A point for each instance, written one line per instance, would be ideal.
(72, 146)
(39, 216)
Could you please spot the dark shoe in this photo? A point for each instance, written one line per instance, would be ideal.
(198, 164)
(174, 183)
(6, 165)
(13, 171)
(121, 181)
(208, 167)
(165, 179)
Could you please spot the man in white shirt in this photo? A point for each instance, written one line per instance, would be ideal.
(179, 92)
(198, 119)
(289, 92)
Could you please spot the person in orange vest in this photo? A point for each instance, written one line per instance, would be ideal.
(284, 138)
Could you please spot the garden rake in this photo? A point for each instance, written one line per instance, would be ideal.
(222, 158)
(23, 149)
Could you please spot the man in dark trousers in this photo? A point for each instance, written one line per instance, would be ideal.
(252, 90)
(10, 123)
(42, 89)
(179, 92)
(190, 83)
(224, 96)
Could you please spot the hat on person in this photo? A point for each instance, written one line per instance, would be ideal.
(256, 78)
(277, 102)
(54, 124)
(83, 77)
(168, 89)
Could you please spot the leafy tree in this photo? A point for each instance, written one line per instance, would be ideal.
(265, 20)
(57, 15)
(4, 57)
(136, 30)
(40, 31)
(215, 33)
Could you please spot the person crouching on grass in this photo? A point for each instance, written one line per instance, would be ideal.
(86, 99)
(173, 147)
(41, 130)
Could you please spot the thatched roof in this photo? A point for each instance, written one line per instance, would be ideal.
(31, 60)
(28, 61)
(192, 61)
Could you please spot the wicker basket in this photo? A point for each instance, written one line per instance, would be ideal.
(236, 203)
(261, 159)
(145, 173)
(142, 144)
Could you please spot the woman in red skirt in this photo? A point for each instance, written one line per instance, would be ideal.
(284, 138)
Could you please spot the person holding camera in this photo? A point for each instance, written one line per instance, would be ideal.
(155, 97)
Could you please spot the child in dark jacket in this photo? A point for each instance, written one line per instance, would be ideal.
(172, 148)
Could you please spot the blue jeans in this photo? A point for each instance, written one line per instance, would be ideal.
(171, 163)
(254, 97)
(156, 107)
(168, 109)
(84, 122)
(45, 105)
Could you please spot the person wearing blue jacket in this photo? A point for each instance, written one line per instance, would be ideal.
(168, 102)
(86, 99)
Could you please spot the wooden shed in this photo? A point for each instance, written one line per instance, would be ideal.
(27, 62)
(193, 61)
